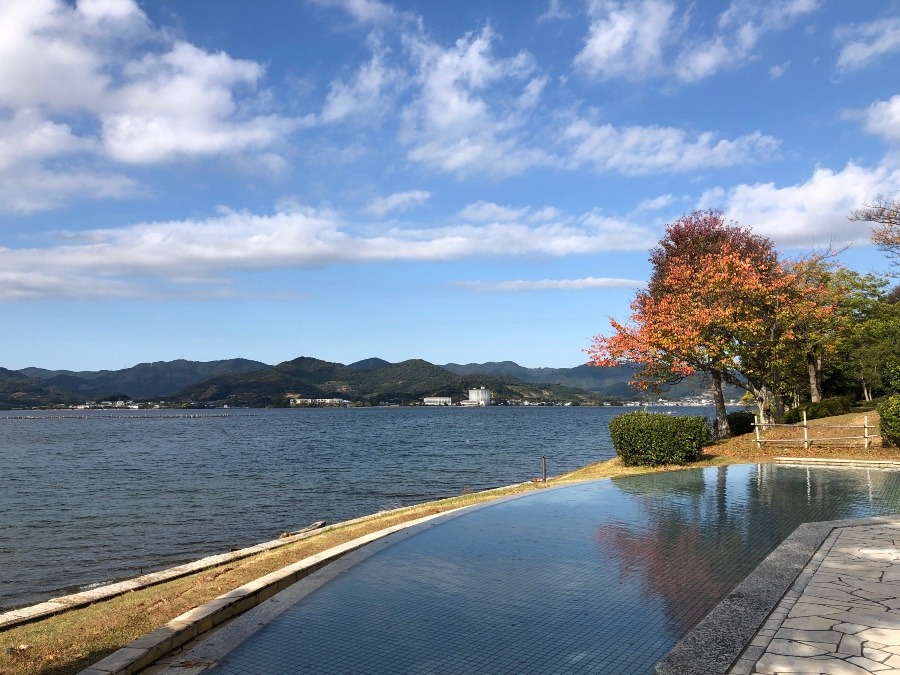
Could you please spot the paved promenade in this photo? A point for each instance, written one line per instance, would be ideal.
(842, 614)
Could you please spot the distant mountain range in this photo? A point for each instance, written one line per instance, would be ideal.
(242, 382)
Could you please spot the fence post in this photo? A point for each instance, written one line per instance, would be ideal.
(756, 427)
(866, 431)
(805, 433)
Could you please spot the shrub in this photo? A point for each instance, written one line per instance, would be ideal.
(650, 439)
(889, 410)
(827, 407)
(741, 422)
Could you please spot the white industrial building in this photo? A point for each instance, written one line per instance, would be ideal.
(438, 400)
(480, 396)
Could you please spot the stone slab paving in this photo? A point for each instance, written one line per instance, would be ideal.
(841, 616)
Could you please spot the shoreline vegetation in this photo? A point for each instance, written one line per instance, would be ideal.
(67, 643)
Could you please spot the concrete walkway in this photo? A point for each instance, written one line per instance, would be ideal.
(842, 615)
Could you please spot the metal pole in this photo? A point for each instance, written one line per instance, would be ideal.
(866, 430)
(756, 427)
(805, 433)
(544, 467)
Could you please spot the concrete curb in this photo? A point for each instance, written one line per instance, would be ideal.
(54, 606)
(148, 649)
(65, 603)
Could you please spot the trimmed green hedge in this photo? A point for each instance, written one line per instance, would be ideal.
(827, 407)
(741, 422)
(650, 439)
(889, 410)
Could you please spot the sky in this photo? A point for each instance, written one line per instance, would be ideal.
(466, 181)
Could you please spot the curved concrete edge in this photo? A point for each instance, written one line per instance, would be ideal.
(148, 649)
(65, 603)
(717, 642)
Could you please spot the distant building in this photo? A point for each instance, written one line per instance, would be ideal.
(438, 400)
(480, 396)
(318, 401)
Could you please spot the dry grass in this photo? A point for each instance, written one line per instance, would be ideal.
(70, 642)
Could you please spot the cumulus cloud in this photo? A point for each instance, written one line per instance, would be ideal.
(587, 283)
(812, 213)
(865, 43)
(645, 150)
(178, 256)
(139, 97)
(398, 201)
(464, 116)
(883, 118)
(626, 39)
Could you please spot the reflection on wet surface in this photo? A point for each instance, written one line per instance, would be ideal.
(599, 577)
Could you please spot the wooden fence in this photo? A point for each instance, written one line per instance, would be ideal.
(866, 437)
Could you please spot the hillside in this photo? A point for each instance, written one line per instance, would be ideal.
(609, 382)
(376, 382)
(143, 381)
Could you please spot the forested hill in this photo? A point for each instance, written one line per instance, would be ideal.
(370, 382)
(373, 380)
(611, 382)
(39, 386)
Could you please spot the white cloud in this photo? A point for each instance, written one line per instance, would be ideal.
(371, 12)
(587, 283)
(883, 118)
(398, 201)
(30, 146)
(181, 104)
(464, 118)
(626, 39)
(778, 70)
(812, 213)
(484, 212)
(636, 39)
(863, 44)
(138, 96)
(645, 150)
(656, 203)
(180, 256)
(367, 96)
(555, 10)
(489, 212)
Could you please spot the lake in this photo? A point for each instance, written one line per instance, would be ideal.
(92, 497)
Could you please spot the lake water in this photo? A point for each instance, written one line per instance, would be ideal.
(96, 497)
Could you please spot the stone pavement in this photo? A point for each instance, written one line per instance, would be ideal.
(841, 616)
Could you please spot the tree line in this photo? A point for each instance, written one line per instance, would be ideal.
(722, 301)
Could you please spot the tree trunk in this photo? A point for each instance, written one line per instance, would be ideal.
(814, 368)
(779, 407)
(722, 428)
(763, 404)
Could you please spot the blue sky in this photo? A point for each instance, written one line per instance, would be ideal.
(455, 181)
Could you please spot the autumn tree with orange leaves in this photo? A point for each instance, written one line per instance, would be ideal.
(720, 302)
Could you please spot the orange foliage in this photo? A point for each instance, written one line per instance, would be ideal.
(719, 300)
